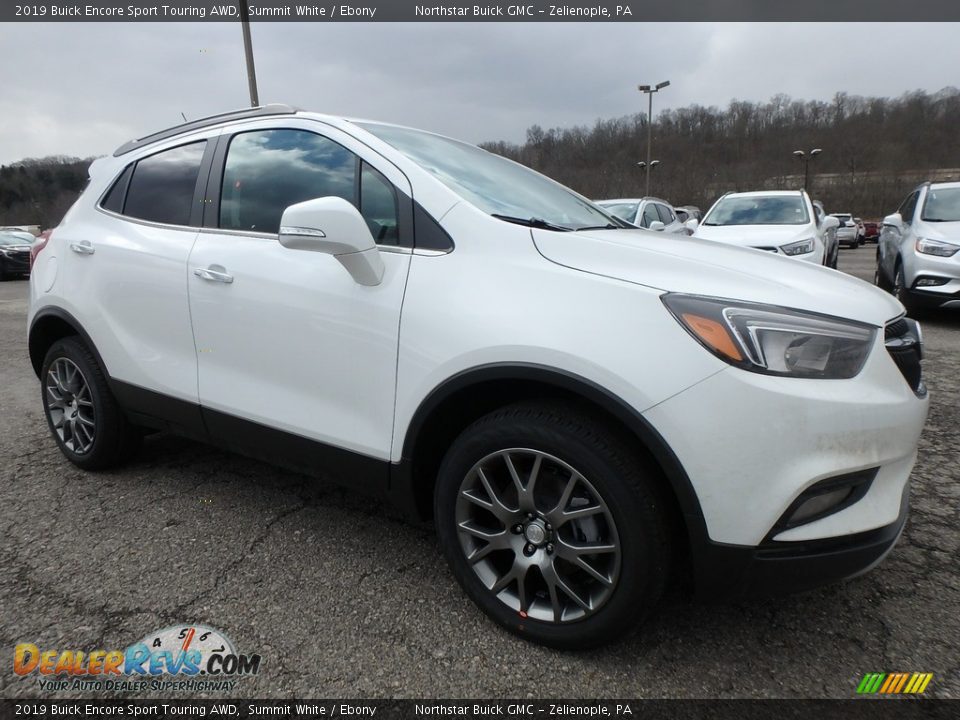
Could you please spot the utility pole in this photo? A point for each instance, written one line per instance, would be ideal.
(248, 51)
(650, 91)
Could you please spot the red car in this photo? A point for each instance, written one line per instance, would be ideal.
(871, 230)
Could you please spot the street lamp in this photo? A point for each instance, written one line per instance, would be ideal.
(653, 164)
(650, 91)
(806, 157)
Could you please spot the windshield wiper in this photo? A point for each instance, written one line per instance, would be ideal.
(608, 226)
(937, 220)
(532, 222)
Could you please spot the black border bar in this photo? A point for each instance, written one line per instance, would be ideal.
(640, 11)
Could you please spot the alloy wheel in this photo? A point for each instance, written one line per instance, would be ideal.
(538, 535)
(70, 406)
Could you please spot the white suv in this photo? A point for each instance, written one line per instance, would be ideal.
(580, 407)
(918, 253)
(785, 222)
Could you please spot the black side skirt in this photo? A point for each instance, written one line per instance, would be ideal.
(294, 452)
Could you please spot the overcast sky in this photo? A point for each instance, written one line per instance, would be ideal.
(83, 89)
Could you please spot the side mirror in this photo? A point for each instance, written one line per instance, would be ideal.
(657, 226)
(333, 226)
(894, 221)
(691, 225)
(830, 223)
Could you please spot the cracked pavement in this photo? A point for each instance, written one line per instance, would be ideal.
(343, 599)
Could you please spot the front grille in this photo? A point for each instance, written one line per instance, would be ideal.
(903, 342)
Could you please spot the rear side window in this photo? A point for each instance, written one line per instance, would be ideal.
(269, 170)
(162, 186)
(113, 200)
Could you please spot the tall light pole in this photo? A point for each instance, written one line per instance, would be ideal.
(650, 91)
(248, 51)
(806, 157)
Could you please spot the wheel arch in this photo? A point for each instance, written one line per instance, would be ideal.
(51, 324)
(469, 395)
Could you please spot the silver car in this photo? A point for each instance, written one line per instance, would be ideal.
(648, 212)
(918, 254)
(847, 233)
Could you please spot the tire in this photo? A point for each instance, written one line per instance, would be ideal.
(83, 416)
(879, 279)
(622, 512)
(902, 294)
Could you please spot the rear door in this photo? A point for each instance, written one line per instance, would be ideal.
(129, 264)
(286, 339)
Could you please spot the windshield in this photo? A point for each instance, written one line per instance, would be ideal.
(494, 184)
(624, 211)
(942, 205)
(758, 210)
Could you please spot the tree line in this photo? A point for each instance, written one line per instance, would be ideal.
(873, 151)
(40, 191)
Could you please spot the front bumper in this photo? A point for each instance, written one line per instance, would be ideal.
(726, 572)
(945, 269)
(753, 445)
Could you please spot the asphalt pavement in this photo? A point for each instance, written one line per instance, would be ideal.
(343, 599)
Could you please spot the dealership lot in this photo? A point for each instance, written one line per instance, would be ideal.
(342, 599)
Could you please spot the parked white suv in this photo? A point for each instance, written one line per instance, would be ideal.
(579, 406)
(784, 222)
(918, 253)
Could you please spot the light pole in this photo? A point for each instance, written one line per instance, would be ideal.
(650, 91)
(248, 51)
(806, 157)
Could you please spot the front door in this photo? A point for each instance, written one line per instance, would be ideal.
(286, 339)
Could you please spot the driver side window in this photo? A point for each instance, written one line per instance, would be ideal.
(649, 215)
(908, 207)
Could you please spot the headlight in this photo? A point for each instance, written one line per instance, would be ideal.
(774, 340)
(936, 247)
(801, 247)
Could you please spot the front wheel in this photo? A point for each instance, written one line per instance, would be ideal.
(902, 293)
(84, 418)
(553, 525)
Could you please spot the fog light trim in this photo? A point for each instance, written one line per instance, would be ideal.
(824, 498)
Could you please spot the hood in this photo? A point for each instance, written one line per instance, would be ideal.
(755, 235)
(946, 231)
(676, 263)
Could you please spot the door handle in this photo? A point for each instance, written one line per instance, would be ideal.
(84, 247)
(214, 273)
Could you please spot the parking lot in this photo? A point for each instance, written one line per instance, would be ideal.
(342, 599)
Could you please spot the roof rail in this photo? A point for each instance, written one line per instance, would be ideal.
(261, 111)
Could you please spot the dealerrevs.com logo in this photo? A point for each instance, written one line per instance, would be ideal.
(180, 657)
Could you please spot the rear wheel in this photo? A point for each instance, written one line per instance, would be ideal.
(553, 525)
(83, 416)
